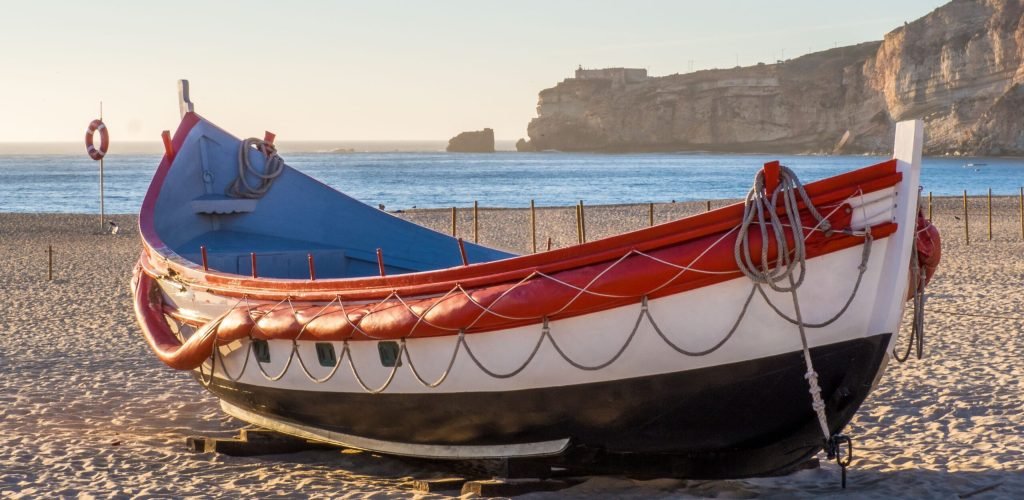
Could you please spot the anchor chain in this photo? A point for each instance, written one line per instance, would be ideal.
(834, 451)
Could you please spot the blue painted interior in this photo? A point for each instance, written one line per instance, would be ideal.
(298, 216)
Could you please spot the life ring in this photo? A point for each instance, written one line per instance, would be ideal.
(94, 152)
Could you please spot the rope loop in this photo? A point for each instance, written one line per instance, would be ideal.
(272, 169)
(761, 208)
(915, 343)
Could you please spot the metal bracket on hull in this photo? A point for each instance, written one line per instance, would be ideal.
(538, 449)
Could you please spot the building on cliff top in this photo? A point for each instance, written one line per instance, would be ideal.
(618, 76)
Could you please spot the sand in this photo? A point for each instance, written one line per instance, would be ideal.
(86, 409)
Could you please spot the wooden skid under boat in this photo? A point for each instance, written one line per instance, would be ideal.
(654, 341)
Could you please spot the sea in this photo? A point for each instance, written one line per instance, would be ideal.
(405, 175)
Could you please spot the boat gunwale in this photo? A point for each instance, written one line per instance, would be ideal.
(159, 260)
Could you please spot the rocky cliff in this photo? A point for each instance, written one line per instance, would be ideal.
(960, 69)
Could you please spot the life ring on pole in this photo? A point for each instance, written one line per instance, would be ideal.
(94, 152)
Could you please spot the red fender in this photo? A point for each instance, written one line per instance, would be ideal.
(929, 252)
(170, 350)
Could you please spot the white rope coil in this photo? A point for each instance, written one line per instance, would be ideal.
(272, 169)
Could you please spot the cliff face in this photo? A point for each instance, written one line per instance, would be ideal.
(960, 69)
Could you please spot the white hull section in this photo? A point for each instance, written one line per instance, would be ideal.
(695, 320)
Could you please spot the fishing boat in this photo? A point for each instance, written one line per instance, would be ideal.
(738, 342)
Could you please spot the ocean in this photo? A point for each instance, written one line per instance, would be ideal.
(431, 179)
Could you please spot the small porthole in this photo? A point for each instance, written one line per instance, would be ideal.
(325, 354)
(261, 349)
(389, 352)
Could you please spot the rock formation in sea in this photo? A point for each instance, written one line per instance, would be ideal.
(959, 68)
(479, 141)
(524, 146)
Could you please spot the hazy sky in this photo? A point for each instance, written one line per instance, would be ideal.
(319, 70)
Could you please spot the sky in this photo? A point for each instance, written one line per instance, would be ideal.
(375, 70)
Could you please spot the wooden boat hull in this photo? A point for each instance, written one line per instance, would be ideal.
(735, 420)
(647, 342)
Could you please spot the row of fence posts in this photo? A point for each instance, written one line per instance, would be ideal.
(581, 231)
(988, 199)
(581, 222)
(581, 218)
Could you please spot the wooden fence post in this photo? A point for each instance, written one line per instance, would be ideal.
(967, 229)
(579, 231)
(650, 214)
(454, 226)
(533, 226)
(476, 222)
(583, 224)
(929, 205)
(989, 214)
(49, 262)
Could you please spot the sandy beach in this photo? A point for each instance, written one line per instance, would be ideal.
(86, 409)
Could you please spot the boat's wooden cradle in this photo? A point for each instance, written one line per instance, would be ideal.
(486, 477)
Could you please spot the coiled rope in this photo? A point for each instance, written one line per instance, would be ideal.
(791, 263)
(758, 203)
(272, 169)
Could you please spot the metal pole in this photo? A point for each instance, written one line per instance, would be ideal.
(102, 215)
(533, 226)
(49, 265)
(967, 230)
(476, 222)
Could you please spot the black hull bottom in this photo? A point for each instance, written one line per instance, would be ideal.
(742, 419)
